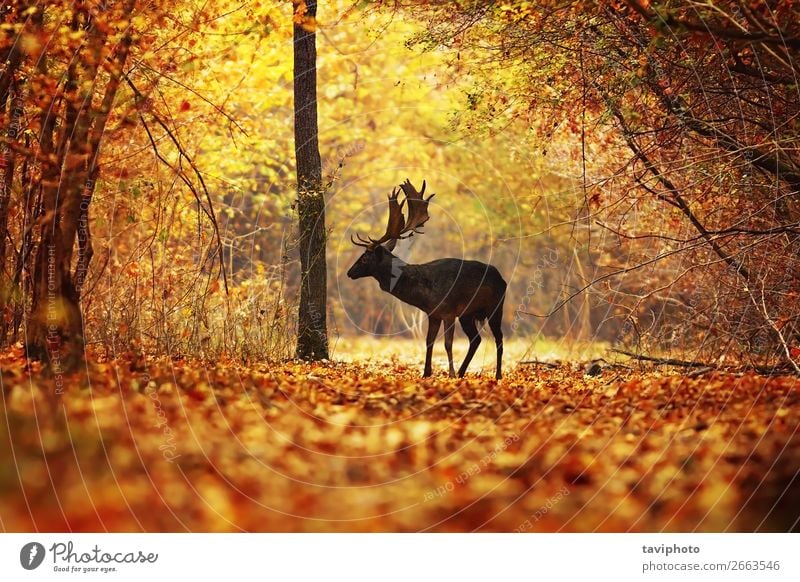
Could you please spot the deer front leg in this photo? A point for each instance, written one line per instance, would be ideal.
(433, 331)
(449, 330)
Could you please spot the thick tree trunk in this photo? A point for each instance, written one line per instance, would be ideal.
(48, 314)
(312, 333)
(11, 108)
(55, 327)
(6, 176)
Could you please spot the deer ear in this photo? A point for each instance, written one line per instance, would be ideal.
(389, 246)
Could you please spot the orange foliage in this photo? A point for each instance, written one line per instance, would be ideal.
(167, 445)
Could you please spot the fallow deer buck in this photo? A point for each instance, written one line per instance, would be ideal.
(445, 289)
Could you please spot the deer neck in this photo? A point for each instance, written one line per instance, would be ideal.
(406, 285)
(390, 274)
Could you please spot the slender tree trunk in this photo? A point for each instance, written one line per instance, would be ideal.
(85, 248)
(312, 333)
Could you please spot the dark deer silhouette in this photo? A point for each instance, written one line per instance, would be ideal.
(445, 289)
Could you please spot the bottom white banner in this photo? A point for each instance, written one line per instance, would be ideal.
(400, 557)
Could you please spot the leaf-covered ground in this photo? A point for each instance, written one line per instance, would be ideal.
(160, 445)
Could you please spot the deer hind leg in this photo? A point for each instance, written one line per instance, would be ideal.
(449, 330)
(496, 325)
(433, 331)
(469, 327)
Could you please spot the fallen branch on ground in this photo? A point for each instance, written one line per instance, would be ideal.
(665, 361)
(540, 363)
(777, 369)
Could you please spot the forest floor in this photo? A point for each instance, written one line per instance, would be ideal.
(162, 445)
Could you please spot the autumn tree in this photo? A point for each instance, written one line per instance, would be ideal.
(312, 334)
(65, 65)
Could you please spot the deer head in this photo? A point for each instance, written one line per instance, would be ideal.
(377, 252)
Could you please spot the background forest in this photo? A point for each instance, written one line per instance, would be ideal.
(631, 168)
(635, 159)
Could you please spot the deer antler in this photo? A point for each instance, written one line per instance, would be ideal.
(397, 225)
(396, 222)
(394, 226)
(417, 207)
